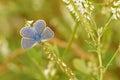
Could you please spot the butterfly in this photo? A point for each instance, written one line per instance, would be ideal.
(36, 34)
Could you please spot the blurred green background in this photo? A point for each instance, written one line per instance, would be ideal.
(17, 64)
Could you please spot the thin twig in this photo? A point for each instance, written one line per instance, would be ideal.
(71, 40)
(108, 64)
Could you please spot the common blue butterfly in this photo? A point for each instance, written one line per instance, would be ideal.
(36, 34)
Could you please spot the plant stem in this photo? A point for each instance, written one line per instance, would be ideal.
(100, 59)
(100, 65)
(53, 57)
(108, 64)
(106, 25)
(101, 70)
(71, 40)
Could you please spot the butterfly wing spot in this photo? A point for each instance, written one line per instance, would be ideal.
(47, 34)
(28, 43)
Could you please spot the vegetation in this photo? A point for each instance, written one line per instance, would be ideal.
(86, 43)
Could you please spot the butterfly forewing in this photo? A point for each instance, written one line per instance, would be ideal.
(27, 32)
(39, 26)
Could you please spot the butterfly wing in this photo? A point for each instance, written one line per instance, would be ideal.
(28, 43)
(39, 26)
(27, 32)
(47, 34)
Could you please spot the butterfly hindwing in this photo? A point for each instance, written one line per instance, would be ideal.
(28, 43)
(47, 34)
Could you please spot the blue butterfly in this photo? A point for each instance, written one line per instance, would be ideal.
(36, 34)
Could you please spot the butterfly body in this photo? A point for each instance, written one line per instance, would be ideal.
(36, 34)
(38, 38)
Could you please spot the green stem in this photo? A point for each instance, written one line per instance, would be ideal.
(100, 60)
(94, 23)
(106, 25)
(101, 70)
(53, 57)
(100, 64)
(112, 59)
(71, 40)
